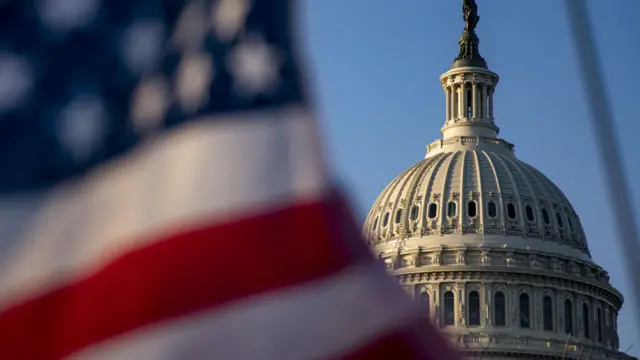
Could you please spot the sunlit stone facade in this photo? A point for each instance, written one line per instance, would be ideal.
(490, 247)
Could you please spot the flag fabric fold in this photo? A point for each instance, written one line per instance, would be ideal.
(163, 193)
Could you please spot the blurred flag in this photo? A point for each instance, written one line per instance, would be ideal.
(163, 196)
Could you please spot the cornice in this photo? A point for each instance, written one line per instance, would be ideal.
(470, 274)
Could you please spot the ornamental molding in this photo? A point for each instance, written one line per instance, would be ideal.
(578, 291)
(504, 257)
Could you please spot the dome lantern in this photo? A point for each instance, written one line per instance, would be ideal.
(469, 86)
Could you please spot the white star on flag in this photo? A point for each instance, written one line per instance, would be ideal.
(255, 67)
(142, 43)
(191, 27)
(228, 18)
(82, 125)
(15, 80)
(150, 102)
(195, 74)
(65, 15)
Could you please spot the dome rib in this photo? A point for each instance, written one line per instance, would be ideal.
(376, 204)
(538, 181)
(551, 206)
(415, 181)
(462, 213)
(532, 193)
(444, 194)
(475, 175)
(480, 188)
(516, 192)
(400, 202)
(437, 163)
(577, 236)
(501, 210)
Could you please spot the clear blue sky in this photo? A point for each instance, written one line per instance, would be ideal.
(376, 66)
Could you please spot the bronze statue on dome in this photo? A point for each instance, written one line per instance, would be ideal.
(470, 14)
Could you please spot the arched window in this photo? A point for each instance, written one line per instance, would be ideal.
(600, 327)
(568, 317)
(585, 319)
(511, 211)
(451, 210)
(471, 209)
(424, 301)
(529, 212)
(545, 216)
(385, 220)
(547, 312)
(499, 310)
(524, 311)
(474, 308)
(398, 216)
(414, 212)
(449, 314)
(433, 210)
(492, 211)
(375, 223)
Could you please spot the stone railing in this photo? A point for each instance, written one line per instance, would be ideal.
(469, 140)
(505, 343)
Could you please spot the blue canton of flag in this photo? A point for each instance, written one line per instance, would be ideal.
(85, 80)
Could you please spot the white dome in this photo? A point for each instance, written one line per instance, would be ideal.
(491, 197)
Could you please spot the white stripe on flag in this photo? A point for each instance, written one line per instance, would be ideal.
(202, 173)
(317, 320)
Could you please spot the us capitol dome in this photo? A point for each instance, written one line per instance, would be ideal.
(489, 246)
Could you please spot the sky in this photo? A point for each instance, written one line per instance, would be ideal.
(375, 67)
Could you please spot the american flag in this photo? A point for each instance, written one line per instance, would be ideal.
(163, 193)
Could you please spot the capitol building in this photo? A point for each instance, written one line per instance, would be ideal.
(486, 244)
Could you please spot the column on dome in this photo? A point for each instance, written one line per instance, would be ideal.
(461, 314)
(536, 298)
(474, 100)
(447, 91)
(491, 91)
(454, 101)
(435, 314)
(468, 100)
(483, 103)
(513, 303)
(470, 109)
(559, 317)
(607, 326)
(614, 328)
(487, 309)
(594, 322)
(460, 100)
(459, 95)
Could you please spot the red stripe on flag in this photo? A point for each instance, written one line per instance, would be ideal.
(181, 274)
(418, 341)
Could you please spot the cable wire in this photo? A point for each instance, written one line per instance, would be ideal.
(606, 141)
